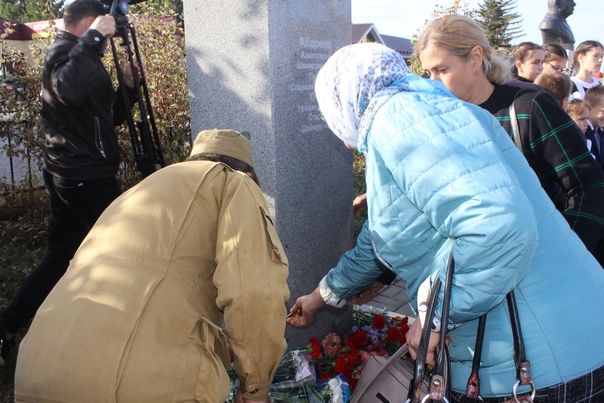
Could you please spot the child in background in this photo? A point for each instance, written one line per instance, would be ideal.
(556, 58)
(579, 112)
(587, 61)
(557, 84)
(594, 100)
(528, 61)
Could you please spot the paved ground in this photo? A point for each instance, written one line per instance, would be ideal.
(392, 298)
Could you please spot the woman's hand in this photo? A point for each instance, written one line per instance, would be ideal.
(414, 336)
(359, 205)
(303, 312)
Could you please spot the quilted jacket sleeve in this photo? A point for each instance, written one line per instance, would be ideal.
(353, 273)
(451, 161)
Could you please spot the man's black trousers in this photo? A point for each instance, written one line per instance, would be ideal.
(75, 205)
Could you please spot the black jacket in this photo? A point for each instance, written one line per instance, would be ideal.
(80, 109)
(555, 149)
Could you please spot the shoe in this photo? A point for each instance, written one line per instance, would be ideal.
(7, 343)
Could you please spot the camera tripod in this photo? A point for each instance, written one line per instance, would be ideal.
(148, 153)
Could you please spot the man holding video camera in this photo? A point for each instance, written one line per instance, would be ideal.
(80, 109)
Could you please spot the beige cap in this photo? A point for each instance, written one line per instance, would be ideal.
(225, 142)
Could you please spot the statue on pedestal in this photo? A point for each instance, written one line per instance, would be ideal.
(554, 28)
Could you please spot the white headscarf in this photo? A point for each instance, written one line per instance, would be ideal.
(351, 79)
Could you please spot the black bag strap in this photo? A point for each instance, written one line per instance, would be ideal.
(514, 116)
(473, 385)
(523, 366)
(514, 123)
(439, 382)
(420, 360)
(439, 379)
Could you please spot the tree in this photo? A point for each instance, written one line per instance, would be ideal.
(499, 22)
(30, 10)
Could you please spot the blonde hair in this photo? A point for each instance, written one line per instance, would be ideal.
(458, 35)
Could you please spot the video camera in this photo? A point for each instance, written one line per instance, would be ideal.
(119, 10)
(148, 153)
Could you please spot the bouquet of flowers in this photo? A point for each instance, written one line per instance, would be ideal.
(372, 334)
(295, 382)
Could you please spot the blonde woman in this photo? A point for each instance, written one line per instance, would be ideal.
(455, 50)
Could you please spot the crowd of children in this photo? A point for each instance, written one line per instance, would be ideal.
(580, 95)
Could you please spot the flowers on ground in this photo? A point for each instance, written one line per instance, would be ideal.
(372, 334)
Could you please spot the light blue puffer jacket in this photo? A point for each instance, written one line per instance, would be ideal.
(442, 176)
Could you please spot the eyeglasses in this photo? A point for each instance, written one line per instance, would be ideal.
(557, 68)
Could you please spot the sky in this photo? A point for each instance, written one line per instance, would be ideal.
(405, 18)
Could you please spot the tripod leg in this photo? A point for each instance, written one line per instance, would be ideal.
(157, 145)
(136, 147)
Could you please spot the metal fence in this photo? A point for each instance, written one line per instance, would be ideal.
(19, 168)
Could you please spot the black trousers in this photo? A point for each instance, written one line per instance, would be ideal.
(75, 205)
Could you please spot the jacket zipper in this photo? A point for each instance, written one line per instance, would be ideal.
(97, 137)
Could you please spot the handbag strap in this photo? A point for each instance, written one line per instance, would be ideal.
(523, 366)
(473, 385)
(514, 116)
(420, 360)
(439, 379)
(514, 123)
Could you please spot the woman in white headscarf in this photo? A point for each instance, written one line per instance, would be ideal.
(444, 177)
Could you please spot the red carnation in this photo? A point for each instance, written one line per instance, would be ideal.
(379, 322)
(341, 365)
(315, 348)
(354, 357)
(393, 334)
(358, 339)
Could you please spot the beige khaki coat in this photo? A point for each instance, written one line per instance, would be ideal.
(138, 315)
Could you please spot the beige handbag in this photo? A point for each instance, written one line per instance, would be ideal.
(389, 380)
(386, 379)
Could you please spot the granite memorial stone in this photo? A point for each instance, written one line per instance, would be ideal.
(251, 67)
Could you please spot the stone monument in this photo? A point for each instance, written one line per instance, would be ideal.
(251, 66)
(554, 28)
